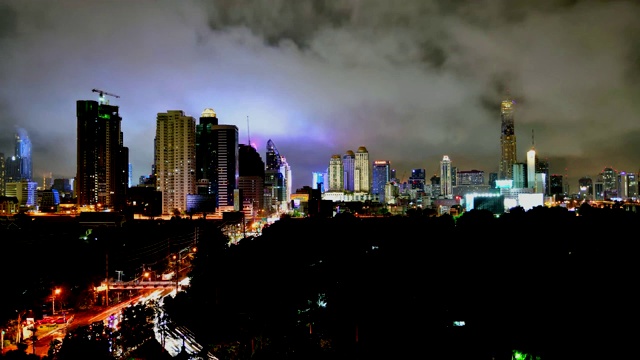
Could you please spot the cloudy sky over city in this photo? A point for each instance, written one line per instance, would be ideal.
(410, 80)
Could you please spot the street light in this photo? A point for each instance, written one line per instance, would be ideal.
(53, 301)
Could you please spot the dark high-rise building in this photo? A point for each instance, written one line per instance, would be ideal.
(251, 170)
(555, 185)
(507, 140)
(542, 167)
(274, 186)
(381, 176)
(12, 169)
(216, 158)
(2, 174)
(417, 179)
(102, 160)
(585, 185)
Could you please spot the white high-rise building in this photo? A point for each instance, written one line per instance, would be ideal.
(285, 169)
(175, 159)
(362, 171)
(446, 188)
(531, 168)
(335, 174)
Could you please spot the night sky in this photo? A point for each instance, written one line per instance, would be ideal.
(409, 80)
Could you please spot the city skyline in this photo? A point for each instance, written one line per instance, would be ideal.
(410, 83)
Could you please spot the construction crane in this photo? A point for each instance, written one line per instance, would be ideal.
(102, 94)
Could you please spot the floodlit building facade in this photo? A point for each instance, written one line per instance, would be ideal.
(175, 146)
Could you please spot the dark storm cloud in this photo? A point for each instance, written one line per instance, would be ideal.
(411, 80)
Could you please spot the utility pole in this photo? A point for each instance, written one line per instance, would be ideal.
(178, 270)
(106, 293)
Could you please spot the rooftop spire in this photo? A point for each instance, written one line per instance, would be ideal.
(533, 143)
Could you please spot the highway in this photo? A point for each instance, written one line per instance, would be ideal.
(173, 337)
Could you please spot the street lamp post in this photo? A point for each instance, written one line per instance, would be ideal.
(53, 301)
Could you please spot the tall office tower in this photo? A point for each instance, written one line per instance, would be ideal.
(542, 167)
(317, 181)
(632, 185)
(520, 172)
(392, 175)
(206, 154)
(2, 174)
(555, 184)
(12, 169)
(585, 185)
(274, 182)
(336, 173)
(130, 175)
(362, 172)
(435, 185)
(175, 146)
(417, 179)
(610, 186)
(627, 185)
(285, 170)
(454, 176)
(251, 171)
(23, 152)
(47, 180)
(381, 176)
(216, 158)
(349, 165)
(102, 158)
(507, 140)
(446, 190)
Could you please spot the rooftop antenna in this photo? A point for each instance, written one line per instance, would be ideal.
(533, 143)
(248, 133)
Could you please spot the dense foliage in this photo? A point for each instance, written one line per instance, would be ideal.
(544, 281)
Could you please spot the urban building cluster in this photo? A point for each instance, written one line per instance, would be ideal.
(527, 184)
(200, 167)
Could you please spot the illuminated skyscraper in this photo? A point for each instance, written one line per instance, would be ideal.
(175, 145)
(381, 176)
(318, 181)
(507, 140)
(531, 164)
(102, 160)
(274, 183)
(23, 152)
(349, 165)
(362, 172)
(446, 188)
(336, 173)
(216, 158)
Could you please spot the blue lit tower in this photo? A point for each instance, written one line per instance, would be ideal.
(102, 160)
(23, 153)
(381, 176)
(349, 168)
(507, 140)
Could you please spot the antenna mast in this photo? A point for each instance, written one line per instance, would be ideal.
(533, 143)
(248, 132)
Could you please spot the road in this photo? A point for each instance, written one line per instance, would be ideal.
(83, 318)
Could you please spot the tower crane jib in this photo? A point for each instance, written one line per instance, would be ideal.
(102, 94)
